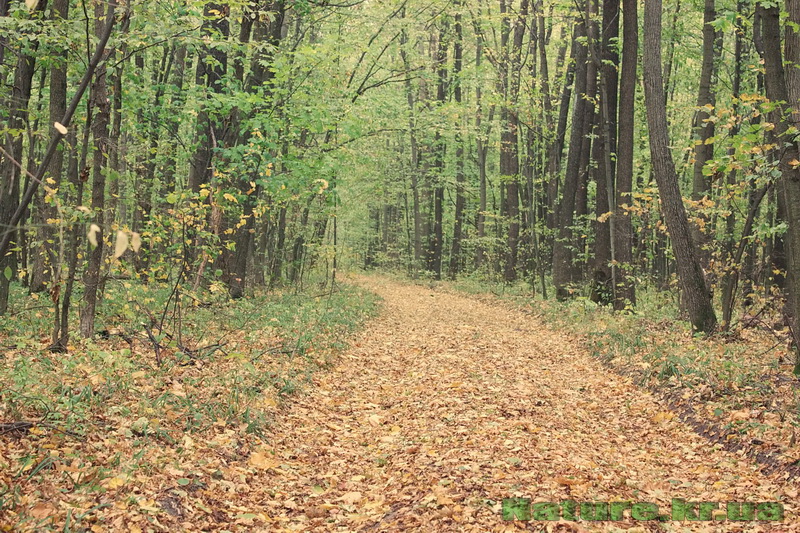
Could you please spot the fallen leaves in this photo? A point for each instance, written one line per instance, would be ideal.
(418, 428)
(261, 461)
(42, 510)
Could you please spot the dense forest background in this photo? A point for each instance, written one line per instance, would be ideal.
(591, 148)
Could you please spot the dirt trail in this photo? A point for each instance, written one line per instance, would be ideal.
(444, 406)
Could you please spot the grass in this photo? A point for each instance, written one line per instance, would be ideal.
(110, 415)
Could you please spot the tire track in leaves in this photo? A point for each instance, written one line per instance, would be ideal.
(445, 405)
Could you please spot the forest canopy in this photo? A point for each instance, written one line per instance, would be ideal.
(591, 148)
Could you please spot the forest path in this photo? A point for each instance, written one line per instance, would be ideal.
(445, 405)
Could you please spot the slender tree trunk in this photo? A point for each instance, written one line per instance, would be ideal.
(458, 225)
(436, 243)
(414, 148)
(690, 273)
(556, 149)
(562, 257)
(625, 293)
(704, 129)
(58, 106)
(607, 61)
(100, 102)
(209, 75)
(509, 137)
(481, 149)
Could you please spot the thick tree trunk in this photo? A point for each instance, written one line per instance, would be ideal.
(10, 163)
(784, 86)
(695, 292)
(268, 31)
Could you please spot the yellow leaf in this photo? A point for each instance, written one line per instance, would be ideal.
(604, 217)
(121, 244)
(259, 460)
(94, 229)
(231, 198)
(32, 5)
(114, 482)
(663, 417)
(351, 498)
(136, 241)
(57, 125)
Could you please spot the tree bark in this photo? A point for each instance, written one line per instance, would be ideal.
(99, 101)
(458, 224)
(783, 86)
(509, 137)
(690, 273)
(625, 293)
(704, 129)
(11, 162)
(562, 257)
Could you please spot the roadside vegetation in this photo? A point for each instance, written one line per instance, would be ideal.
(145, 410)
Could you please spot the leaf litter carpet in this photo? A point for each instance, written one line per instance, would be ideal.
(444, 406)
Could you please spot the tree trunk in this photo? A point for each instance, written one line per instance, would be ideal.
(458, 224)
(509, 137)
(606, 147)
(562, 257)
(99, 101)
(436, 243)
(704, 129)
(10, 163)
(209, 75)
(784, 86)
(625, 293)
(690, 273)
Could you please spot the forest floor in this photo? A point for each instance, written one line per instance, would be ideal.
(445, 406)
(441, 408)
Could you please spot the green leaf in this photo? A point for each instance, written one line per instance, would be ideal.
(184, 481)
(8, 273)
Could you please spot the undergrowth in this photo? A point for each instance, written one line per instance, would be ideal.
(115, 411)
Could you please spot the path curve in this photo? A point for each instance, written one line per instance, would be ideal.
(445, 405)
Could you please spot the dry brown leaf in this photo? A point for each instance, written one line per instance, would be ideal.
(351, 498)
(42, 510)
